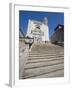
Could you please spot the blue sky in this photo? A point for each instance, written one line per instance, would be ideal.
(54, 18)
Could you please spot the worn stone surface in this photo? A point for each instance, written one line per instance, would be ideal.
(44, 61)
(41, 61)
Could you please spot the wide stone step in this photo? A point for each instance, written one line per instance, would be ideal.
(58, 53)
(44, 45)
(33, 72)
(50, 47)
(46, 52)
(46, 49)
(44, 60)
(44, 55)
(51, 57)
(34, 47)
(43, 64)
(57, 73)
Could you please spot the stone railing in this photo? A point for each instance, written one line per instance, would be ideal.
(24, 48)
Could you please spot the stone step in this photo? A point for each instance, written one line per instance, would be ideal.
(46, 45)
(51, 57)
(43, 64)
(49, 47)
(51, 52)
(44, 60)
(28, 73)
(44, 55)
(39, 49)
(46, 48)
(48, 52)
(57, 73)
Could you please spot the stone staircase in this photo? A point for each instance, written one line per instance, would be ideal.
(45, 60)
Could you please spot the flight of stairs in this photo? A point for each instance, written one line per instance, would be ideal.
(45, 60)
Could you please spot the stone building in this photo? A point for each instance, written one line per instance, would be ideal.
(58, 35)
(38, 30)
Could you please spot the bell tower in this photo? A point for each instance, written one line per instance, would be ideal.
(45, 21)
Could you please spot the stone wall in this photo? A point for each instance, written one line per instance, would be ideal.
(23, 54)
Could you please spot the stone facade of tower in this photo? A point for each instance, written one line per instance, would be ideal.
(58, 35)
(38, 30)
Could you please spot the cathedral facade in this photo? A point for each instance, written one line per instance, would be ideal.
(38, 30)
